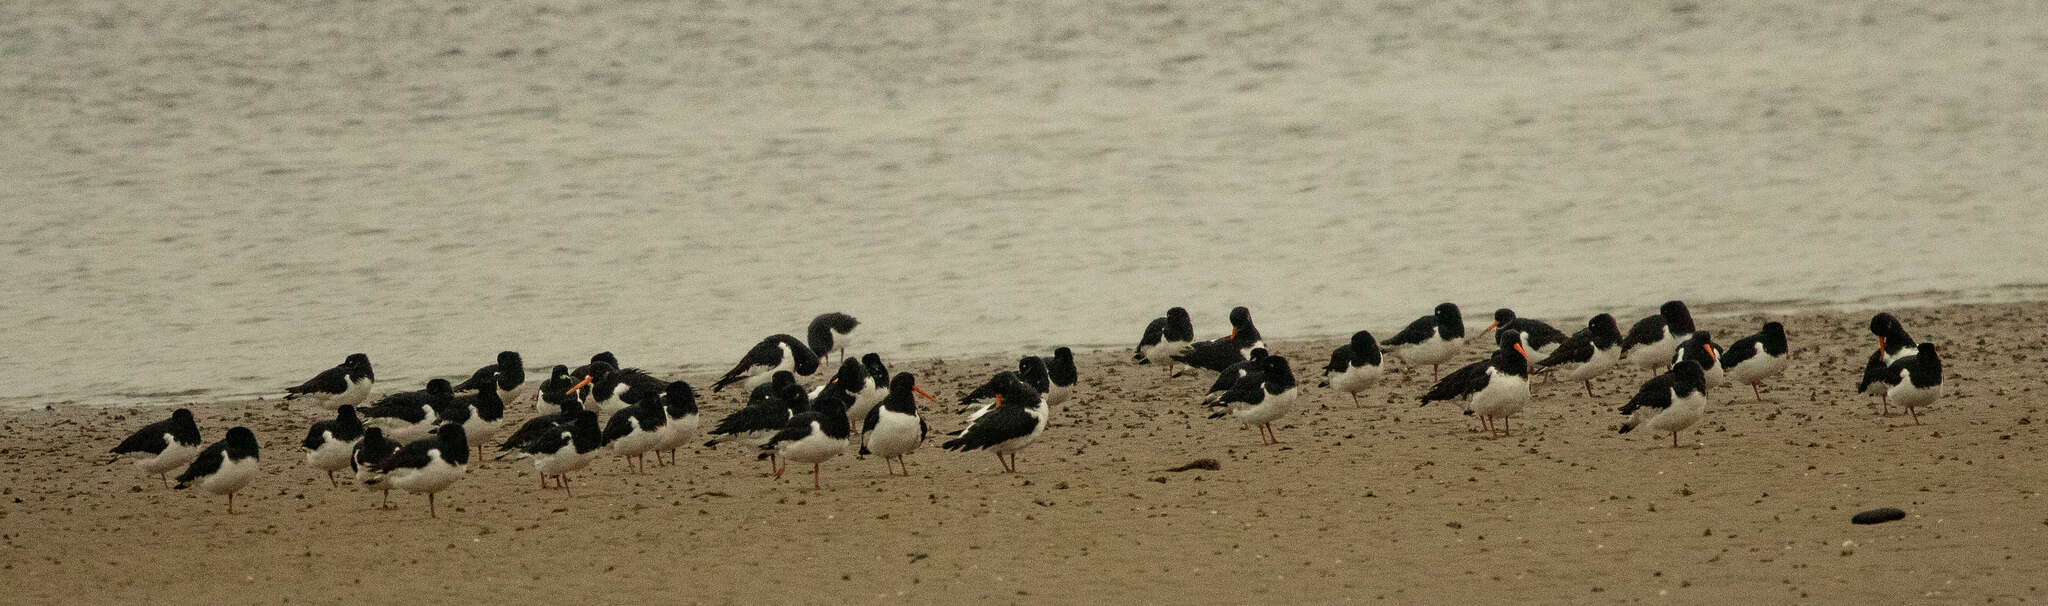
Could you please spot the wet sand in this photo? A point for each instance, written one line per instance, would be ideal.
(1379, 502)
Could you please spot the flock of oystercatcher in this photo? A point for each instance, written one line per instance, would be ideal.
(421, 441)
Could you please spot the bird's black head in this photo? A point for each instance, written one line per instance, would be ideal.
(1177, 313)
(680, 398)
(510, 359)
(357, 360)
(1015, 392)
(1240, 316)
(183, 416)
(850, 374)
(1364, 347)
(1885, 325)
(1447, 314)
(373, 434)
(903, 382)
(1063, 354)
(1776, 329)
(1032, 370)
(439, 388)
(1676, 317)
(1509, 340)
(1503, 316)
(241, 442)
(782, 379)
(1687, 377)
(1258, 353)
(876, 370)
(346, 412)
(1275, 364)
(1603, 325)
(605, 357)
(560, 371)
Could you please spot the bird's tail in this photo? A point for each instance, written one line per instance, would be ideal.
(1140, 358)
(1629, 425)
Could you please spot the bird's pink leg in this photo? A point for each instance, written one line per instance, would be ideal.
(1589, 388)
(564, 479)
(1753, 388)
(1916, 415)
(815, 486)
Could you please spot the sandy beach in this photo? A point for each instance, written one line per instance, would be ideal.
(1379, 502)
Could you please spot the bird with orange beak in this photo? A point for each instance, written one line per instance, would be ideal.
(1496, 388)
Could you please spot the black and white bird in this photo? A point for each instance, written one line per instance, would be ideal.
(872, 388)
(1165, 336)
(329, 444)
(894, 428)
(553, 393)
(1752, 359)
(372, 449)
(828, 331)
(679, 402)
(1218, 354)
(1354, 366)
(1261, 397)
(567, 445)
(1496, 388)
(777, 353)
(1540, 339)
(1591, 351)
(1231, 375)
(853, 380)
(1060, 370)
(1914, 381)
(813, 436)
(768, 409)
(598, 387)
(346, 384)
(1668, 403)
(1892, 341)
(507, 375)
(162, 446)
(1651, 341)
(409, 415)
(429, 465)
(1701, 349)
(484, 415)
(543, 427)
(1016, 420)
(636, 429)
(1030, 370)
(1433, 339)
(225, 466)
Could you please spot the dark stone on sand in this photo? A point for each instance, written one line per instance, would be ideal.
(1879, 516)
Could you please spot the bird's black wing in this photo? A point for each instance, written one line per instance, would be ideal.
(1215, 355)
(1873, 373)
(1741, 350)
(764, 353)
(533, 430)
(484, 377)
(149, 439)
(332, 380)
(369, 453)
(1539, 333)
(1576, 349)
(208, 462)
(1340, 359)
(1000, 425)
(752, 418)
(1422, 329)
(1655, 394)
(986, 393)
(410, 456)
(1644, 332)
(314, 437)
(1466, 380)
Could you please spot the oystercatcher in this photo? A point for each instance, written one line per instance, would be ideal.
(1061, 372)
(635, 430)
(1261, 397)
(894, 428)
(1354, 366)
(1165, 336)
(777, 353)
(224, 467)
(767, 411)
(553, 393)
(1538, 337)
(1670, 402)
(1218, 354)
(373, 448)
(567, 445)
(1230, 376)
(1591, 351)
(410, 415)
(1495, 388)
(1701, 349)
(429, 465)
(162, 446)
(1651, 340)
(1915, 380)
(1016, 420)
(828, 330)
(813, 436)
(508, 376)
(347, 384)
(679, 401)
(1760, 356)
(329, 444)
(1892, 341)
(1433, 339)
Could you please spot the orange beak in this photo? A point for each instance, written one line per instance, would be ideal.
(920, 391)
(1880, 345)
(1489, 328)
(1715, 356)
(999, 400)
(586, 381)
(1233, 332)
(1519, 350)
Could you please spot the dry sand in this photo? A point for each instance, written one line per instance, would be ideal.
(1380, 502)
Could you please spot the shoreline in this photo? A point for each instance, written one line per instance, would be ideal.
(1383, 500)
(708, 371)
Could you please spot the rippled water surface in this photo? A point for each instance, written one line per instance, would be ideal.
(219, 199)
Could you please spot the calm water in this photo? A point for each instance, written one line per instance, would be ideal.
(209, 202)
